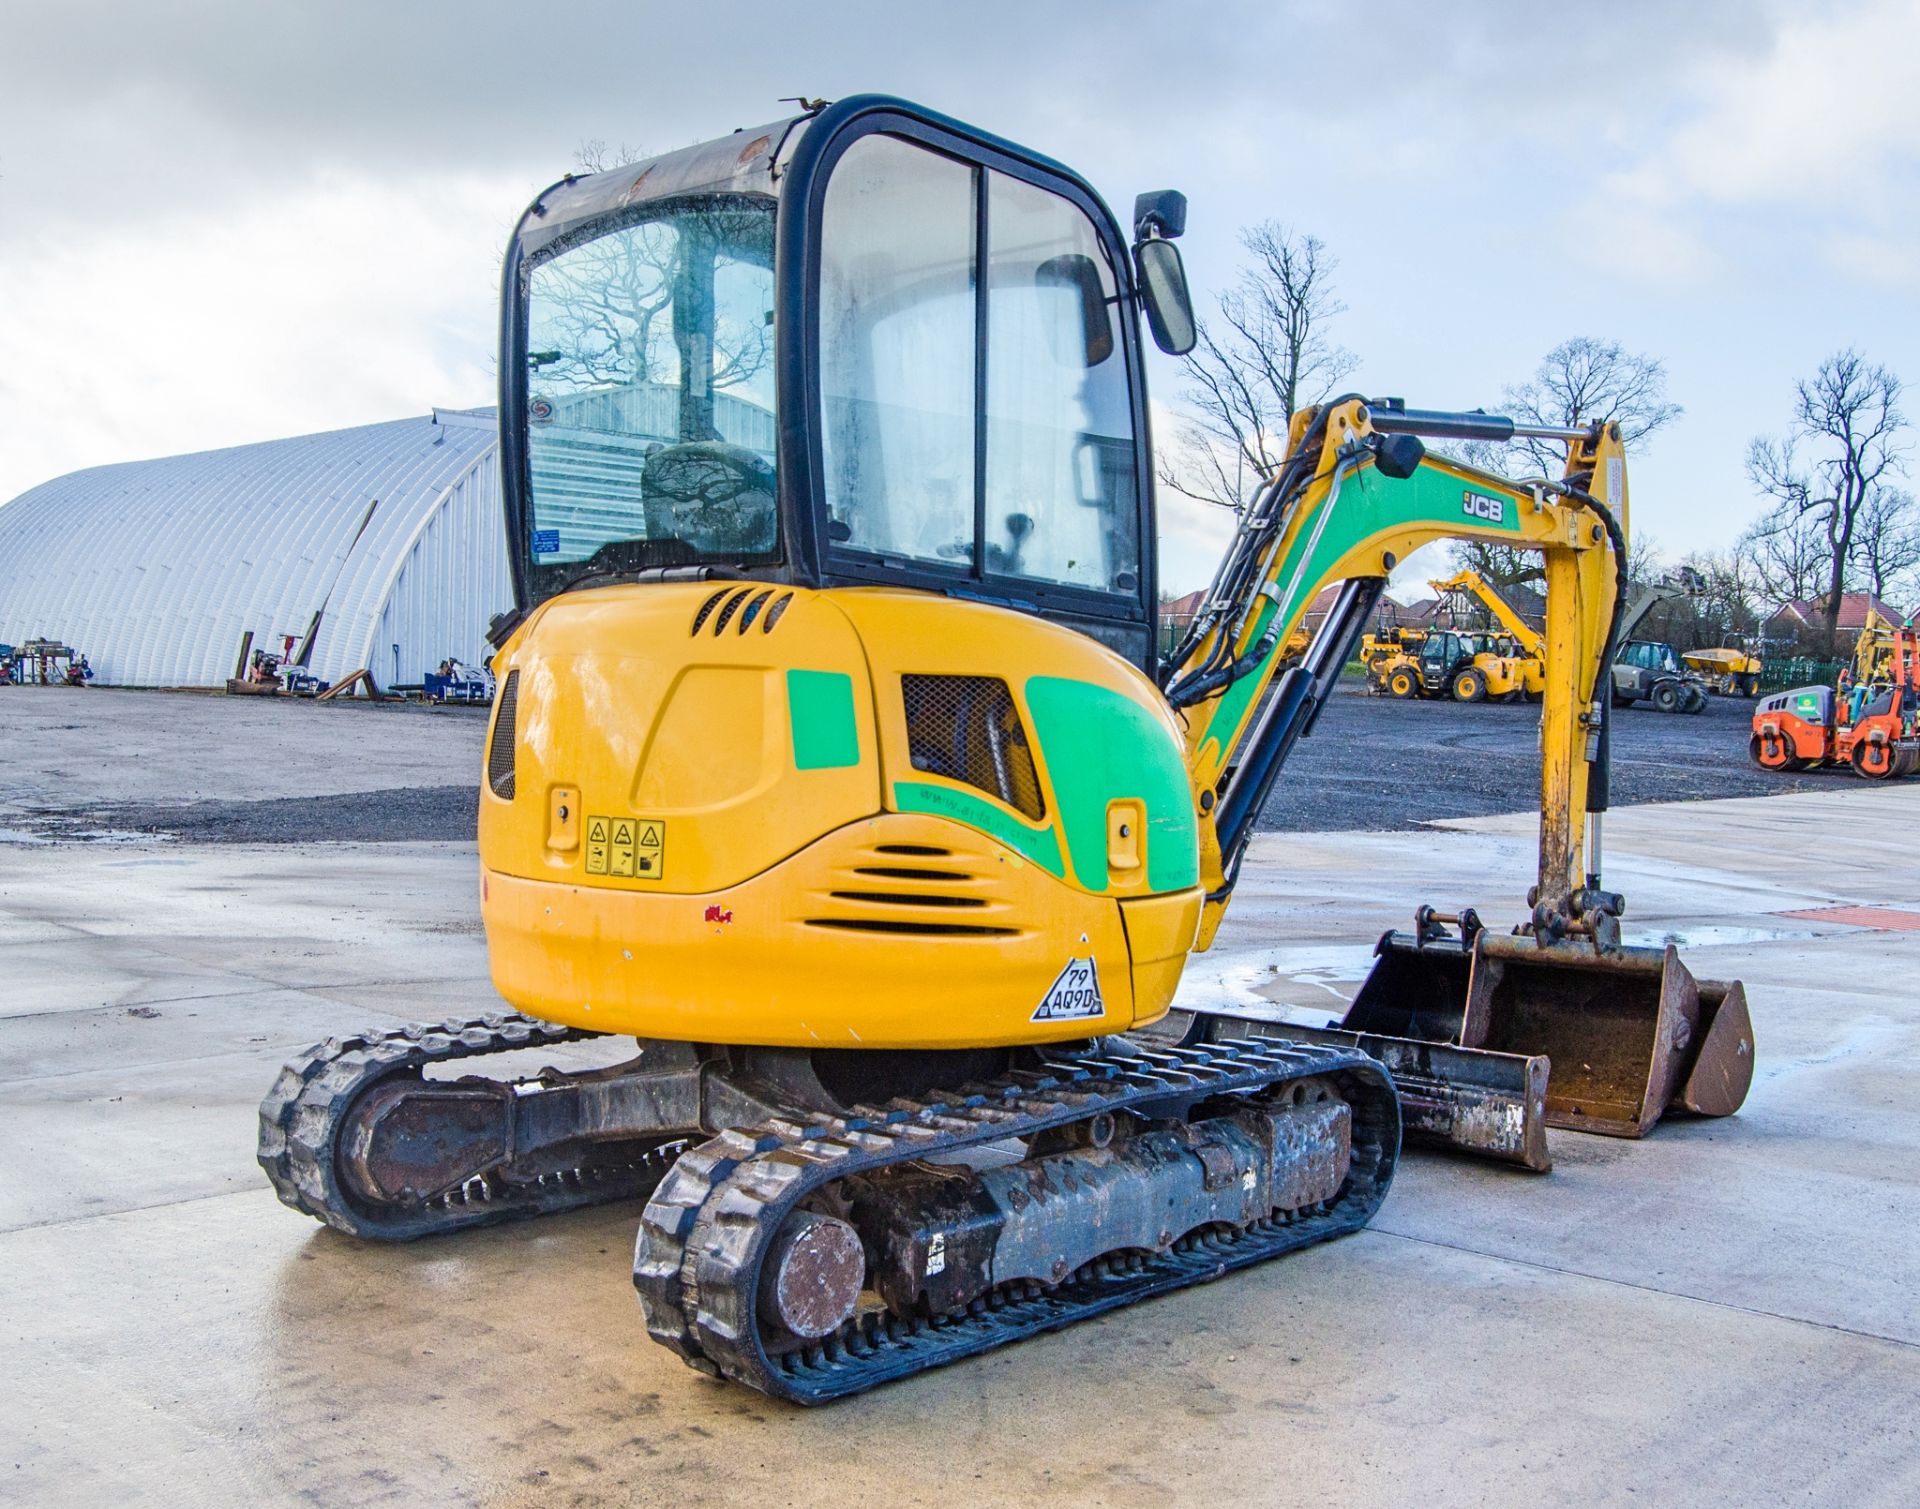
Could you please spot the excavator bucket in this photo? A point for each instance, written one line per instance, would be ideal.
(1626, 1034)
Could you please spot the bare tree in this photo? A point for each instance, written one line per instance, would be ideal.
(1729, 600)
(1577, 382)
(1788, 556)
(1264, 356)
(1847, 415)
(594, 155)
(1886, 541)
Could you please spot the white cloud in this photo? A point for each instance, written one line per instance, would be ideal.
(342, 302)
(1823, 123)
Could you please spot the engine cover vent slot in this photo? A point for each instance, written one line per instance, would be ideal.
(773, 614)
(916, 851)
(753, 608)
(500, 749)
(907, 898)
(921, 929)
(902, 872)
(706, 610)
(967, 729)
(732, 607)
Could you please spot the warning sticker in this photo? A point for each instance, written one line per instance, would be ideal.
(633, 848)
(1076, 993)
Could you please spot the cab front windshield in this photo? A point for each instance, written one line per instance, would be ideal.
(650, 393)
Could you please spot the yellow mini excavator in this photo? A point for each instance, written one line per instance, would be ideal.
(832, 761)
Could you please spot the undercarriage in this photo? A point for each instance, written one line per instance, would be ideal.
(817, 1223)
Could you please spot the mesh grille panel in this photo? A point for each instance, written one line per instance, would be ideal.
(706, 608)
(967, 729)
(500, 750)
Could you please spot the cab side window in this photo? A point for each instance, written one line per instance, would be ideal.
(897, 339)
(1060, 496)
(991, 440)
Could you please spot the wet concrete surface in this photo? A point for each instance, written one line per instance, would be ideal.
(1724, 1313)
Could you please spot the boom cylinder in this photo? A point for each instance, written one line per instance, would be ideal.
(1292, 708)
(1392, 418)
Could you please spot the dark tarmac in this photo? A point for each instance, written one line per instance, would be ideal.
(1371, 765)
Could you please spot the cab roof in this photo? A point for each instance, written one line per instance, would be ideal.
(743, 163)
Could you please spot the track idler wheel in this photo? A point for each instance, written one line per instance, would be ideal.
(411, 1140)
(813, 1275)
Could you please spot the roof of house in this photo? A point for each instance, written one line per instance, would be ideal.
(1853, 610)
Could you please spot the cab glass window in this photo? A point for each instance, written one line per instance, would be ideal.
(897, 318)
(649, 388)
(1061, 505)
(991, 441)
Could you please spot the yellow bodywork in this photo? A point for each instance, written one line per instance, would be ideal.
(711, 815)
(810, 885)
(1502, 675)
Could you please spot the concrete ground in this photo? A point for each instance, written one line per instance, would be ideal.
(1726, 1312)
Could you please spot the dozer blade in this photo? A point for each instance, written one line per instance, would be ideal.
(1627, 1034)
(1489, 1104)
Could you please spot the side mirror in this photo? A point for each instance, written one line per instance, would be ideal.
(1076, 273)
(1163, 289)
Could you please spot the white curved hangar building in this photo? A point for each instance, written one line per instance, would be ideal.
(390, 533)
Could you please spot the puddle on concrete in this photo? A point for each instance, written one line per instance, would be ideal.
(24, 836)
(1246, 977)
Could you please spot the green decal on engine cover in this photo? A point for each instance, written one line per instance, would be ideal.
(820, 714)
(1102, 747)
(1040, 845)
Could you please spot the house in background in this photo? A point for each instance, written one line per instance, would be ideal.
(1793, 622)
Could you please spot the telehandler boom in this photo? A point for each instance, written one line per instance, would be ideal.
(832, 760)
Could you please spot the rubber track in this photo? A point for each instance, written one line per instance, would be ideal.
(301, 1118)
(705, 1231)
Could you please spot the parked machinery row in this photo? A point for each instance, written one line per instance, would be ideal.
(1866, 722)
(1508, 661)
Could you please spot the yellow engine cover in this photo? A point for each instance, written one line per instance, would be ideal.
(855, 817)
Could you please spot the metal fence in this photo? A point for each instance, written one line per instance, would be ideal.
(1797, 670)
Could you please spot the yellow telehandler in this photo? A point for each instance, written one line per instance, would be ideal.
(1465, 665)
(832, 761)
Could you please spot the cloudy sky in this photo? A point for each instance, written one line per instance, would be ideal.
(224, 221)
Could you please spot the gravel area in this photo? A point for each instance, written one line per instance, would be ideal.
(102, 765)
(1379, 764)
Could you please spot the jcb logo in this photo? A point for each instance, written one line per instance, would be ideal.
(1480, 506)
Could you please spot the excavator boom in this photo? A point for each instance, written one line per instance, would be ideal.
(1470, 1023)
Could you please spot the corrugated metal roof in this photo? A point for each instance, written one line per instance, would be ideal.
(154, 569)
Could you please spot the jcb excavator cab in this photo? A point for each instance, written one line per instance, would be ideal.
(868, 346)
